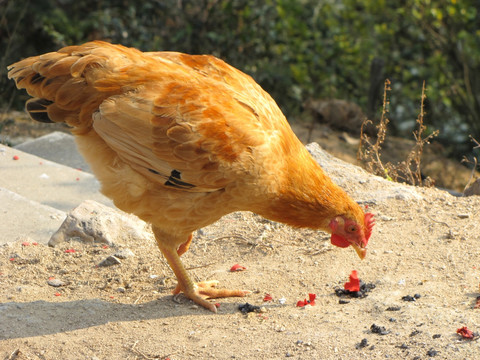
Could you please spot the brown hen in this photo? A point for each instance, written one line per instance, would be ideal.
(181, 140)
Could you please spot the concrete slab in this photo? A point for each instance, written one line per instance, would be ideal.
(21, 218)
(58, 147)
(46, 182)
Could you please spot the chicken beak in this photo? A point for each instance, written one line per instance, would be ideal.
(361, 252)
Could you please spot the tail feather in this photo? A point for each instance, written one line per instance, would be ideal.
(63, 83)
(38, 109)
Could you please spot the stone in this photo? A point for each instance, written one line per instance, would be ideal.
(109, 261)
(373, 189)
(92, 222)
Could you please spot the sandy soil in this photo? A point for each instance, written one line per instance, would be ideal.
(427, 244)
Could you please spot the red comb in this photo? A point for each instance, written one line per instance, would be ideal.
(369, 222)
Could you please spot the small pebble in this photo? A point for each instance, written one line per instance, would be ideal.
(109, 261)
(376, 329)
(432, 352)
(362, 344)
(124, 253)
(248, 308)
(415, 332)
(409, 298)
(55, 282)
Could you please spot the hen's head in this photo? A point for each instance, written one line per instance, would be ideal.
(347, 231)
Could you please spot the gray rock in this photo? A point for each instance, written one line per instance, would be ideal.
(92, 222)
(372, 190)
(58, 147)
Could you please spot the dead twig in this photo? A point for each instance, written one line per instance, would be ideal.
(201, 266)
(238, 237)
(475, 142)
(438, 222)
(474, 162)
(14, 355)
(138, 299)
(147, 356)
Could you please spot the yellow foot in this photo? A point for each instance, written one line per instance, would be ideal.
(207, 290)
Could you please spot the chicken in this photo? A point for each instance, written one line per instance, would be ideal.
(181, 140)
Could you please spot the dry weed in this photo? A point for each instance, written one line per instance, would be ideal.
(409, 170)
(473, 186)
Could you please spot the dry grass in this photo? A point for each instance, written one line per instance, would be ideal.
(474, 164)
(409, 170)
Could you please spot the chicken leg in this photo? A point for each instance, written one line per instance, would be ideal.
(198, 292)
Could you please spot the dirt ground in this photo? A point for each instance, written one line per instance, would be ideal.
(427, 244)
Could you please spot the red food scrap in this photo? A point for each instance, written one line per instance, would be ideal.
(237, 267)
(15, 157)
(354, 283)
(25, 243)
(310, 301)
(465, 333)
(68, 251)
(35, 243)
(217, 305)
(268, 297)
(12, 259)
(58, 294)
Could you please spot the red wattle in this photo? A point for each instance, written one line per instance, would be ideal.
(339, 241)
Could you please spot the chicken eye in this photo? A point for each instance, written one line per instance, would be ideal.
(352, 228)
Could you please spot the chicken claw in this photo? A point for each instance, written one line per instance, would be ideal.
(197, 292)
(207, 290)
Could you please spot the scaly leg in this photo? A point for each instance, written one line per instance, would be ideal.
(198, 292)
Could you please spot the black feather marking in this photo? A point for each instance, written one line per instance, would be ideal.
(36, 78)
(49, 81)
(41, 117)
(175, 181)
(37, 109)
(38, 104)
(154, 171)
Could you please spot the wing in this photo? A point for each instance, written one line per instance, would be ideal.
(188, 130)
